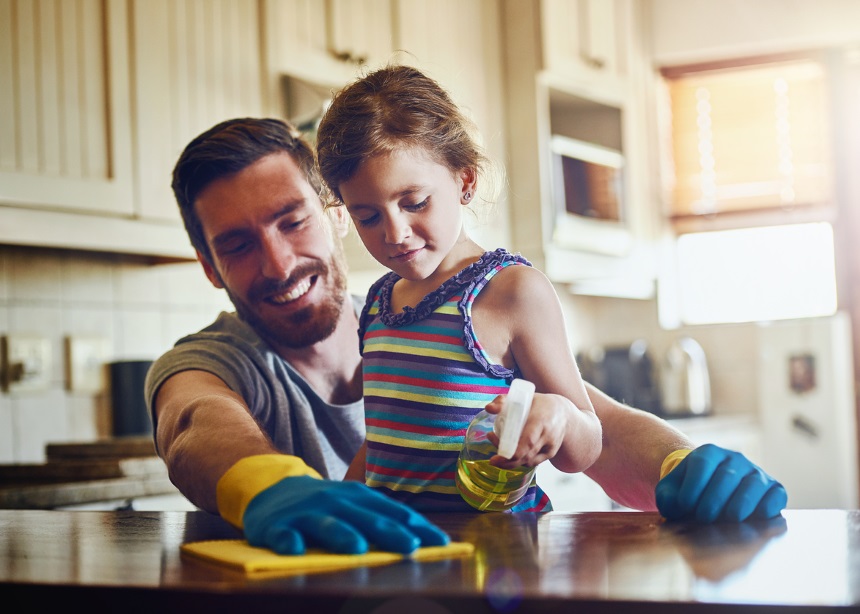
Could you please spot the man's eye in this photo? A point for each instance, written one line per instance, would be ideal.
(235, 249)
(293, 224)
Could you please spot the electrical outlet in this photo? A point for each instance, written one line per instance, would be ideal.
(85, 363)
(26, 364)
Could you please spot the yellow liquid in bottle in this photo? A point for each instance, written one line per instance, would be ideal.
(489, 488)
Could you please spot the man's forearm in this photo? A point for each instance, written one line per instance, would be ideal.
(634, 446)
(201, 436)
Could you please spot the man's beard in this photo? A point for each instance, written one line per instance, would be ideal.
(310, 325)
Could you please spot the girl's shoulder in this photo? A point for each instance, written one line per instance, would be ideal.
(517, 285)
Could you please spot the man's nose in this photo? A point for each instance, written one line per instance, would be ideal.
(278, 259)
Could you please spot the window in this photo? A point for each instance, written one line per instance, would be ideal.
(749, 138)
(752, 274)
(749, 193)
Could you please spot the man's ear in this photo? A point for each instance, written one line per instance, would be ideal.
(210, 271)
(339, 219)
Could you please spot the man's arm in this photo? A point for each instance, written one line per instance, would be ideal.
(635, 443)
(203, 429)
(221, 460)
(705, 484)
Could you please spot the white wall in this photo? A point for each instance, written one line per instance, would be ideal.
(686, 31)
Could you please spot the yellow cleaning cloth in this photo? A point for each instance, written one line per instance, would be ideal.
(238, 554)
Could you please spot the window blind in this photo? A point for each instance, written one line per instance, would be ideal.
(749, 139)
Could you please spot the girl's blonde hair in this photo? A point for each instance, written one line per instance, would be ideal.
(392, 108)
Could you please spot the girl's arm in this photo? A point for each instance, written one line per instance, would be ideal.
(519, 322)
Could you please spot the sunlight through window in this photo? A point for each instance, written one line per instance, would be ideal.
(757, 274)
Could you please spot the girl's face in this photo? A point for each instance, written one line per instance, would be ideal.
(408, 212)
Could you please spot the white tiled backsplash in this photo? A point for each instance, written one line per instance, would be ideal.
(141, 309)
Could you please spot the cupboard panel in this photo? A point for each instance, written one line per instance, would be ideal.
(196, 63)
(64, 138)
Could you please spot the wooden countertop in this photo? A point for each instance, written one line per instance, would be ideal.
(805, 561)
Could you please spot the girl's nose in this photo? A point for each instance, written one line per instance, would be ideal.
(396, 230)
(278, 259)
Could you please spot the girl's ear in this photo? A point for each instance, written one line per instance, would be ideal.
(468, 184)
(339, 219)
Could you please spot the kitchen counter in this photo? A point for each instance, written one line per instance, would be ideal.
(805, 561)
(111, 471)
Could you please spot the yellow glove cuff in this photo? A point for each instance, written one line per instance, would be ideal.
(671, 461)
(252, 475)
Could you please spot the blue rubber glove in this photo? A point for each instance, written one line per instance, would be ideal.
(338, 516)
(714, 484)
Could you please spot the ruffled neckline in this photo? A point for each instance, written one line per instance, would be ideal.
(467, 276)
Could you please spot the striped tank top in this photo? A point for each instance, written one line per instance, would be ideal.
(425, 378)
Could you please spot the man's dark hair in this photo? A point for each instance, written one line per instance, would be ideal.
(224, 150)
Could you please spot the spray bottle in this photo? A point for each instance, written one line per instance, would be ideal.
(485, 486)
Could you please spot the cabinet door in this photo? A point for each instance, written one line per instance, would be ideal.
(64, 105)
(586, 40)
(196, 63)
(326, 41)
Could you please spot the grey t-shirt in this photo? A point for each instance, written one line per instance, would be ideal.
(282, 402)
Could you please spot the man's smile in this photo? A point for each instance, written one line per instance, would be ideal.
(297, 291)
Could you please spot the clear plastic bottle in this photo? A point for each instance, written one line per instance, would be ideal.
(482, 485)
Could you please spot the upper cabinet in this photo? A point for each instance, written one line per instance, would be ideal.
(580, 175)
(587, 41)
(65, 139)
(326, 41)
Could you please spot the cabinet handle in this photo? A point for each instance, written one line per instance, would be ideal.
(347, 56)
(591, 61)
(805, 426)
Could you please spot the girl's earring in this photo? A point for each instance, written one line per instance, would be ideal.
(467, 196)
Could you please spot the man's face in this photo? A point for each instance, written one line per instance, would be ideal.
(275, 251)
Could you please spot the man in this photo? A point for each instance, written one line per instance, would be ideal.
(259, 415)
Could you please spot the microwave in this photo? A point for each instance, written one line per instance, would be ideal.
(588, 198)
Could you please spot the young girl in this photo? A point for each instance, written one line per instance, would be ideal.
(445, 332)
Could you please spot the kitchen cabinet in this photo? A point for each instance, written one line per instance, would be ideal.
(549, 95)
(67, 171)
(64, 107)
(587, 40)
(326, 41)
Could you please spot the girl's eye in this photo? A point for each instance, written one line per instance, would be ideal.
(367, 221)
(417, 206)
